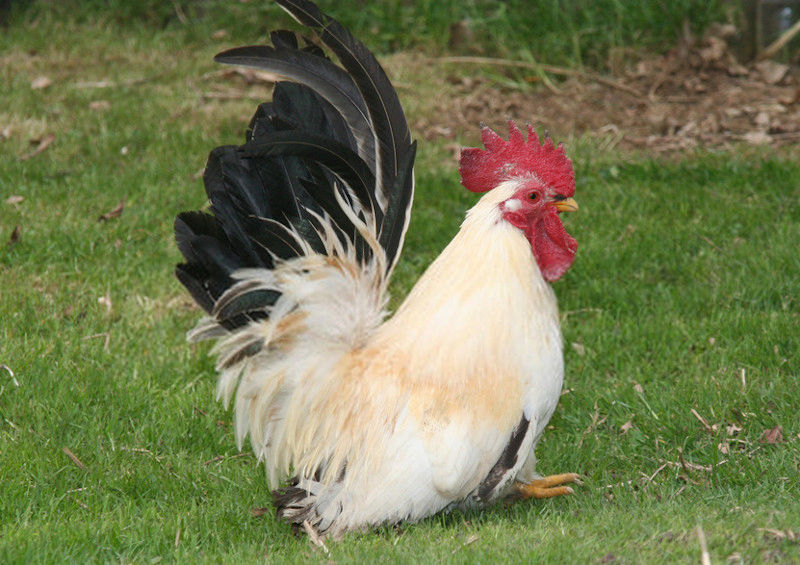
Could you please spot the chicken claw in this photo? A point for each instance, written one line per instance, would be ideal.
(547, 487)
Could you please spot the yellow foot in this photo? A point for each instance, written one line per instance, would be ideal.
(547, 487)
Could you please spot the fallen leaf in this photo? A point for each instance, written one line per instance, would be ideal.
(772, 436)
(15, 235)
(757, 138)
(638, 388)
(258, 512)
(14, 199)
(780, 535)
(724, 447)
(105, 301)
(771, 72)
(714, 50)
(40, 83)
(219, 34)
(579, 348)
(99, 105)
(732, 429)
(626, 426)
(115, 213)
(762, 120)
(44, 143)
(5, 133)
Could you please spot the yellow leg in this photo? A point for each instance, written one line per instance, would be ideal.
(547, 487)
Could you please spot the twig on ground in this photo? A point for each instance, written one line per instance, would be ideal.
(43, 144)
(703, 421)
(569, 313)
(471, 539)
(11, 373)
(224, 457)
(140, 450)
(656, 472)
(105, 335)
(546, 68)
(711, 243)
(74, 458)
(773, 48)
(705, 557)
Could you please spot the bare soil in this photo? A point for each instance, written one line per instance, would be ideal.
(696, 95)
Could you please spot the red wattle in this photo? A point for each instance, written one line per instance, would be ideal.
(553, 248)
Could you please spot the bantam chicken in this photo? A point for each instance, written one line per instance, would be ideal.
(362, 420)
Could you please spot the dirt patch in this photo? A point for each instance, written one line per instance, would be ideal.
(696, 95)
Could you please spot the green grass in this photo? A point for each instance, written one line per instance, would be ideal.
(572, 32)
(687, 275)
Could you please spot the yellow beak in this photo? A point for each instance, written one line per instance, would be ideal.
(566, 205)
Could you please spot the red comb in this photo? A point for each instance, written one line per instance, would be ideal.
(482, 170)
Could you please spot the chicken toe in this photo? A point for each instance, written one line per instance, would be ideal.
(547, 487)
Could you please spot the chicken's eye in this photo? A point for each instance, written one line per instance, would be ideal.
(533, 196)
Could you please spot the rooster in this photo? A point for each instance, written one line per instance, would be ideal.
(363, 419)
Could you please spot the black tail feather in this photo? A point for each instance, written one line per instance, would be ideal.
(334, 135)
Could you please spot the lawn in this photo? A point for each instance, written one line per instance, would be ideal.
(681, 319)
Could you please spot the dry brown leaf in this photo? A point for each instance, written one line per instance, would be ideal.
(732, 429)
(771, 72)
(15, 235)
(772, 436)
(714, 49)
(40, 83)
(115, 213)
(579, 348)
(44, 143)
(638, 388)
(105, 301)
(757, 138)
(14, 199)
(724, 447)
(626, 426)
(219, 34)
(258, 512)
(781, 535)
